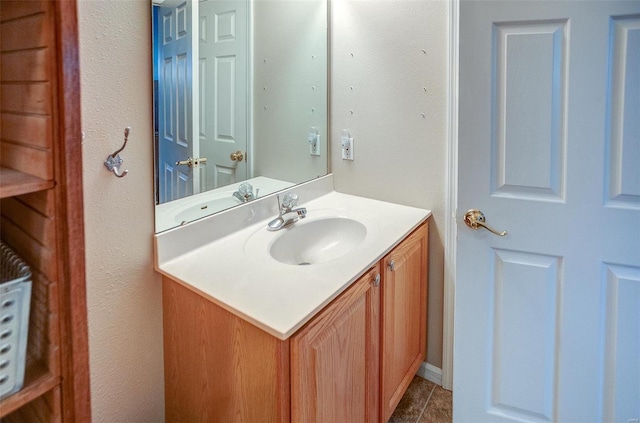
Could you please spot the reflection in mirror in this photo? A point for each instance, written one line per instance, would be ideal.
(240, 102)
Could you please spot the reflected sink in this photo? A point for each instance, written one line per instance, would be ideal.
(205, 208)
(318, 241)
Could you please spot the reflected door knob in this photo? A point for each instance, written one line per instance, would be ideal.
(475, 218)
(237, 156)
(191, 162)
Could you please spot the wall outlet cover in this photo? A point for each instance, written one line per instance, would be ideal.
(314, 145)
(347, 147)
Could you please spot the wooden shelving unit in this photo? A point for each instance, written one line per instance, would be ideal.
(41, 217)
(37, 382)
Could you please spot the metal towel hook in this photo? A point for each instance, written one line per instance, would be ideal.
(114, 161)
(126, 138)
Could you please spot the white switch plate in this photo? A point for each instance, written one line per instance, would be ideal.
(314, 142)
(314, 146)
(347, 148)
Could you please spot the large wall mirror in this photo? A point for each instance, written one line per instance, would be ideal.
(240, 102)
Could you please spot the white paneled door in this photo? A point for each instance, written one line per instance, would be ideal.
(175, 101)
(224, 55)
(547, 318)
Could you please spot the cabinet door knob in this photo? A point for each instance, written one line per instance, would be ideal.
(376, 281)
(392, 266)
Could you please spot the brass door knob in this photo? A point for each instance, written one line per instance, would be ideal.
(237, 156)
(475, 219)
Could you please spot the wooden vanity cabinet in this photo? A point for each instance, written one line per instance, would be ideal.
(219, 367)
(335, 358)
(351, 363)
(404, 317)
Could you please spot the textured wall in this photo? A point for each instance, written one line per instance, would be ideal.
(399, 157)
(123, 291)
(389, 80)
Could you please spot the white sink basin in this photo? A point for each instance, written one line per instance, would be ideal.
(318, 241)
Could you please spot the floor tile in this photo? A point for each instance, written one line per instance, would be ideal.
(439, 407)
(412, 403)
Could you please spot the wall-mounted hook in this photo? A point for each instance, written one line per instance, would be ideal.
(113, 164)
(114, 161)
(126, 138)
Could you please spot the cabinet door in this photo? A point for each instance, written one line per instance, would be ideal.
(335, 358)
(404, 321)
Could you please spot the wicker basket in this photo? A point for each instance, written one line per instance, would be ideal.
(15, 297)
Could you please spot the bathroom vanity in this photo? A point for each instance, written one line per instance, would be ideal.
(263, 340)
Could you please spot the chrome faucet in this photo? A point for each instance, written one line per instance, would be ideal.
(288, 215)
(245, 193)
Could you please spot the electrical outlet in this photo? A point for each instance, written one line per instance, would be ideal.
(347, 146)
(314, 142)
(314, 146)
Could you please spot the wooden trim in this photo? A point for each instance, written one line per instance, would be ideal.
(76, 405)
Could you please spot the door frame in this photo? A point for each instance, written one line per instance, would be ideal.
(451, 198)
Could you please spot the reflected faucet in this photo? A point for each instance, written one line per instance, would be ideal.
(245, 193)
(287, 215)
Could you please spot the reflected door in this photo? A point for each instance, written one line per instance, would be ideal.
(224, 32)
(547, 320)
(175, 108)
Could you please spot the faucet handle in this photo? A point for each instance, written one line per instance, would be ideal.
(289, 201)
(246, 189)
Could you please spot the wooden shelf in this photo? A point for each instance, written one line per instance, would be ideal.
(37, 381)
(13, 183)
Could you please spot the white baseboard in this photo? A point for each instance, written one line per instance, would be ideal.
(430, 372)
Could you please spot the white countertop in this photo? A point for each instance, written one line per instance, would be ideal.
(237, 272)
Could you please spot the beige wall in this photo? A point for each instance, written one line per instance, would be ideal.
(399, 157)
(390, 67)
(123, 291)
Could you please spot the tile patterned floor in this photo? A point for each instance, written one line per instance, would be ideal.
(424, 402)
